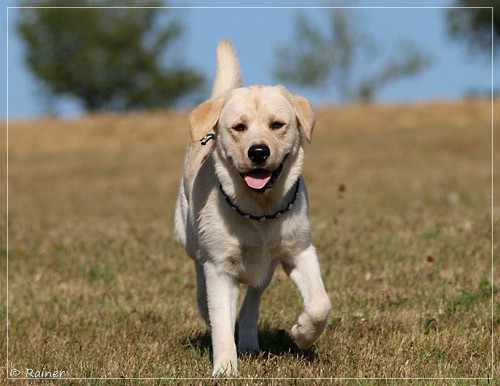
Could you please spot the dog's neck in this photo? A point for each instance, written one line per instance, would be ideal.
(260, 206)
(265, 217)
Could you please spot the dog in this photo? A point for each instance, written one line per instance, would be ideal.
(243, 209)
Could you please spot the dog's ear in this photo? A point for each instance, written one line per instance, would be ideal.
(305, 115)
(204, 118)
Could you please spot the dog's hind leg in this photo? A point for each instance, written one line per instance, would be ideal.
(248, 321)
(201, 292)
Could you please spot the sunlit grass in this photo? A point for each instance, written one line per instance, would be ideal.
(401, 214)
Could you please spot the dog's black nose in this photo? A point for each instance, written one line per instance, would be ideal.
(258, 154)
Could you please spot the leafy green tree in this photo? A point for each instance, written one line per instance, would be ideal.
(475, 26)
(108, 58)
(322, 60)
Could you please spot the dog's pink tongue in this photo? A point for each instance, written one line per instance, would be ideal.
(257, 179)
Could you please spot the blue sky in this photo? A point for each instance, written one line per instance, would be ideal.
(257, 32)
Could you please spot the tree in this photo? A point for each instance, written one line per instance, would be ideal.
(319, 59)
(108, 58)
(475, 26)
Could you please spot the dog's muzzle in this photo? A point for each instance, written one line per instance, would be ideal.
(261, 179)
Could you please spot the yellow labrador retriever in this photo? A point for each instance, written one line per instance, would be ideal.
(243, 209)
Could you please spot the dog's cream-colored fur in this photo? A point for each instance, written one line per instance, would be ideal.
(228, 249)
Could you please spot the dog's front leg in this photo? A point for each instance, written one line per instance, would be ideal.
(222, 296)
(304, 272)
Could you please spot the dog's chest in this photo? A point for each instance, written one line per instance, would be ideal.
(251, 257)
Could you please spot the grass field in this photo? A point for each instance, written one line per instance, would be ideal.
(401, 215)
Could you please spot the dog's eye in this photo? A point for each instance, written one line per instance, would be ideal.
(240, 127)
(277, 125)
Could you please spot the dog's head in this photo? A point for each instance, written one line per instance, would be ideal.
(257, 128)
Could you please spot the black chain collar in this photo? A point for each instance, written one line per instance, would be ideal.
(207, 138)
(265, 217)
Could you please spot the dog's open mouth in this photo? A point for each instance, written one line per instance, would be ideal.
(262, 179)
(258, 179)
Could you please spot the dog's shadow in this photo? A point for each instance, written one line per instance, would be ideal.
(272, 342)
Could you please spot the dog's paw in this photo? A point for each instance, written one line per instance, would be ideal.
(249, 347)
(307, 330)
(248, 341)
(225, 368)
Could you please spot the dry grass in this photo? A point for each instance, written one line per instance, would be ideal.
(401, 214)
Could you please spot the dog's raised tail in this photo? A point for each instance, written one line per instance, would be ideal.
(228, 68)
